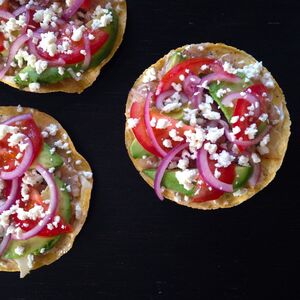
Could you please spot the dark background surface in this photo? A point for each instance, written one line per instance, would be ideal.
(135, 247)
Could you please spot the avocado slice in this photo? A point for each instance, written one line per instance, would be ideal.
(170, 181)
(137, 150)
(242, 175)
(48, 159)
(51, 75)
(235, 87)
(37, 243)
(176, 58)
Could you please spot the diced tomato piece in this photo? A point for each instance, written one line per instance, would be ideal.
(140, 132)
(35, 198)
(2, 39)
(208, 193)
(86, 5)
(76, 47)
(8, 155)
(193, 64)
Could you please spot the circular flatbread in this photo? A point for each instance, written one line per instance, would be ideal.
(80, 202)
(71, 85)
(279, 134)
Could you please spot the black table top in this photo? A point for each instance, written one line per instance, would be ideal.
(135, 247)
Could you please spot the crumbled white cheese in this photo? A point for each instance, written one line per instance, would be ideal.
(48, 43)
(150, 75)
(132, 122)
(167, 143)
(240, 192)
(187, 178)
(214, 133)
(251, 131)
(243, 161)
(34, 86)
(5, 129)
(78, 33)
(163, 123)
(255, 158)
(210, 148)
(224, 159)
(19, 250)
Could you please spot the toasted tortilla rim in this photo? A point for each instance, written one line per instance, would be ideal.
(66, 241)
(279, 134)
(70, 85)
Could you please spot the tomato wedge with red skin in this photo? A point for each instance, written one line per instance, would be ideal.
(26, 225)
(29, 128)
(208, 193)
(86, 5)
(76, 57)
(2, 39)
(241, 108)
(140, 131)
(8, 154)
(172, 76)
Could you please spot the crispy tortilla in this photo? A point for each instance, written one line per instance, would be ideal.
(66, 241)
(279, 133)
(70, 85)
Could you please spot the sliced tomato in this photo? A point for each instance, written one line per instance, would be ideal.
(208, 193)
(8, 155)
(35, 198)
(241, 109)
(86, 5)
(140, 132)
(8, 158)
(193, 64)
(75, 56)
(2, 39)
(29, 128)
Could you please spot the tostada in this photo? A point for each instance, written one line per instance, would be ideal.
(45, 189)
(207, 126)
(49, 46)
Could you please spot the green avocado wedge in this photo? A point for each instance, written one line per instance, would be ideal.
(51, 75)
(47, 159)
(242, 175)
(38, 244)
(176, 58)
(170, 182)
(234, 87)
(137, 150)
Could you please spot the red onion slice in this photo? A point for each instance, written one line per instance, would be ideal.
(17, 44)
(12, 195)
(24, 164)
(149, 128)
(6, 239)
(6, 15)
(49, 178)
(255, 175)
(190, 84)
(163, 166)
(20, 10)
(88, 54)
(162, 97)
(208, 176)
(72, 9)
(254, 141)
(17, 119)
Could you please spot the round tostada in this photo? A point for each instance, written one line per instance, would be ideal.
(207, 126)
(45, 190)
(52, 46)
